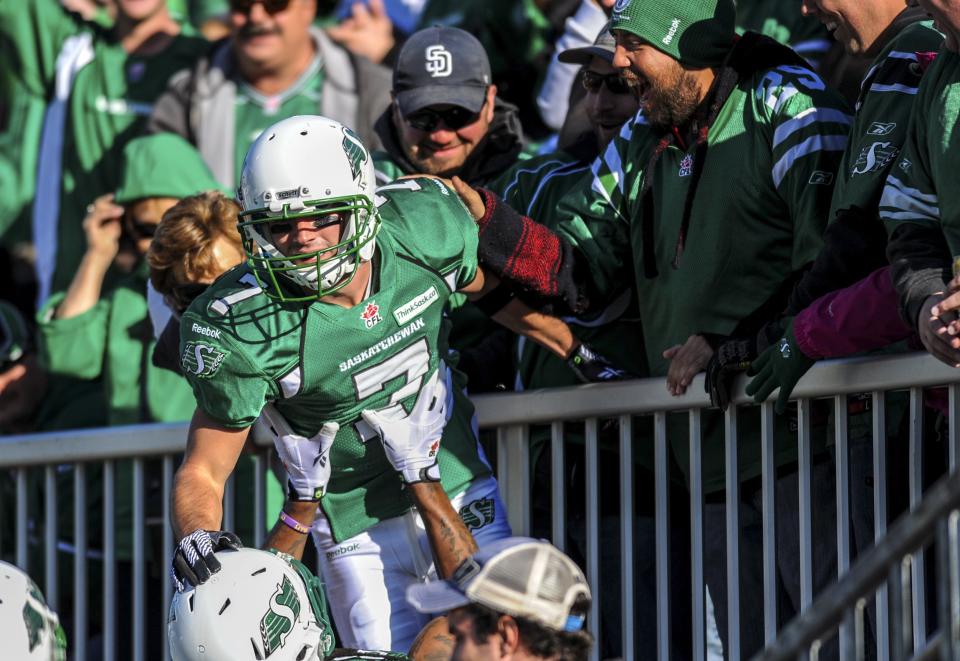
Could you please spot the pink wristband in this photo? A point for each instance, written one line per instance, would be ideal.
(293, 524)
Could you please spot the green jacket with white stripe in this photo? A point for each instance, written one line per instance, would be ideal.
(756, 220)
(921, 201)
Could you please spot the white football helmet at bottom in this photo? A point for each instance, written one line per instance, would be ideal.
(30, 630)
(260, 605)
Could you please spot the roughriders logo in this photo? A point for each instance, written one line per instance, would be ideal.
(277, 622)
(686, 166)
(371, 315)
(478, 513)
(355, 151)
(439, 61)
(201, 359)
(875, 157)
(621, 6)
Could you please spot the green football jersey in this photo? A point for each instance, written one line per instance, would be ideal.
(254, 112)
(883, 113)
(921, 188)
(758, 215)
(319, 362)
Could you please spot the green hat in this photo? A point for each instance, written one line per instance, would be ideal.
(162, 165)
(14, 336)
(698, 33)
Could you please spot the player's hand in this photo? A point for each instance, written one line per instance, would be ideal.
(591, 367)
(780, 366)
(412, 441)
(731, 358)
(306, 460)
(194, 561)
(102, 227)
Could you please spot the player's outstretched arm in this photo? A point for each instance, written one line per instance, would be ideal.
(211, 454)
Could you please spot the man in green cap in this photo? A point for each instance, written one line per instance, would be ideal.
(714, 199)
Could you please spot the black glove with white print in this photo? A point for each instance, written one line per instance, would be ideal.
(591, 367)
(194, 561)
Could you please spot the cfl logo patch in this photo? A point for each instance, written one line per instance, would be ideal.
(439, 61)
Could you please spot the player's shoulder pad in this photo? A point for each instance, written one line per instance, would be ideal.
(427, 220)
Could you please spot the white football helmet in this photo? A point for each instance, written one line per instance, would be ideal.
(28, 628)
(260, 605)
(300, 167)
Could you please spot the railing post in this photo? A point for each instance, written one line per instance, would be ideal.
(768, 481)
(696, 539)
(843, 509)
(805, 503)
(662, 519)
(80, 563)
(109, 561)
(626, 535)
(880, 513)
(558, 486)
(733, 533)
(513, 475)
(918, 579)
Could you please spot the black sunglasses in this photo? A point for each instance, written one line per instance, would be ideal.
(142, 230)
(615, 82)
(271, 6)
(453, 118)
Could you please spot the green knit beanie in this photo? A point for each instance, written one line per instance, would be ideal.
(698, 33)
(162, 165)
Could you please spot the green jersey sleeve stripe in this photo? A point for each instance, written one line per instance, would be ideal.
(806, 118)
(809, 146)
(516, 179)
(901, 202)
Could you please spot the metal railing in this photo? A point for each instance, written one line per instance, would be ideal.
(512, 416)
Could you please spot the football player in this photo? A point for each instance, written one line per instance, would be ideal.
(334, 330)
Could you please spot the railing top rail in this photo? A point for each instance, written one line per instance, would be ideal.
(640, 396)
(909, 532)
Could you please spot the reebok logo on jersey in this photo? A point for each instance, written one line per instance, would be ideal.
(371, 315)
(821, 178)
(875, 157)
(672, 32)
(205, 330)
(478, 513)
(418, 304)
(686, 166)
(342, 550)
(439, 61)
(881, 128)
(201, 360)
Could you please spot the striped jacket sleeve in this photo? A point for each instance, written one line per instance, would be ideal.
(809, 125)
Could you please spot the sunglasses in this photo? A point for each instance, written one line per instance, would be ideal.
(616, 83)
(140, 229)
(453, 118)
(270, 6)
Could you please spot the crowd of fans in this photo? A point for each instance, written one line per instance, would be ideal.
(661, 188)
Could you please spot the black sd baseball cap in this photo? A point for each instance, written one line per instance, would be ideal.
(441, 65)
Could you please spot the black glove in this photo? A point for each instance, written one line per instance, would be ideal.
(731, 358)
(194, 562)
(591, 367)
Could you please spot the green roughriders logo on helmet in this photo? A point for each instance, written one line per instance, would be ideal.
(277, 622)
(355, 151)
